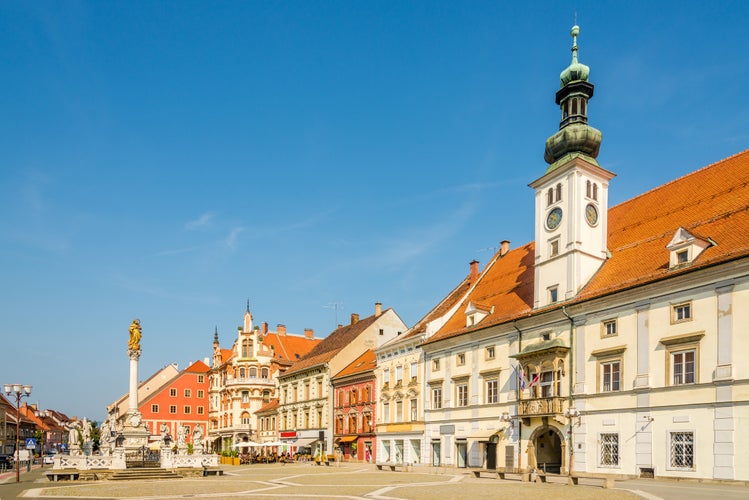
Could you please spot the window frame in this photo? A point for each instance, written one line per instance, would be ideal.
(460, 359)
(461, 394)
(602, 446)
(490, 353)
(605, 324)
(172, 409)
(172, 392)
(680, 344)
(685, 306)
(154, 408)
(491, 396)
(436, 397)
(671, 445)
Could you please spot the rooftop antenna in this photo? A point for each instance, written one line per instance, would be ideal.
(493, 250)
(336, 306)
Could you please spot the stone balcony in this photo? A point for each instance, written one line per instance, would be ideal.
(542, 407)
(250, 381)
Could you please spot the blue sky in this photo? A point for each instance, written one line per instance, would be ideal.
(169, 161)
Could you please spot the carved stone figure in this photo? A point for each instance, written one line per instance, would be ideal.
(135, 335)
(86, 430)
(164, 431)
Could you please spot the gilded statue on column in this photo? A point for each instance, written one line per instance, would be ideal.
(135, 334)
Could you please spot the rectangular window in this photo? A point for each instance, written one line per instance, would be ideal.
(398, 375)
(681, 312)
(201, 394)
(461, 395)
(200, 410)
(682, 257)
(683, 367)
(172, 409)
(436, 398)
(386, 412)
(610, 375)
(609, 450)
(546, 382)
(490, 352)
(399, 411)
(492, 391)
(173, 392)
(414, 410)
(609, 328)
(682, 450)
(554, 248)
(245, 396)
(435, 365)
(187, 410)
(461, 359)
(553, 295)
(188, 393)
(154, 408)
(414, 371)
(201, 378)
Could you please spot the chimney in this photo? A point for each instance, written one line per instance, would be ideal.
(281, 330)
(354, 318)
(378, 309)
(265, 327)
(473, 276)
(504, 248)
(309, 333)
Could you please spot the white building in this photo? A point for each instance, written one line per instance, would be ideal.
(625, 323)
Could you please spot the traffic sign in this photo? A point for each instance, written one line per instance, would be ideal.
(30, 443)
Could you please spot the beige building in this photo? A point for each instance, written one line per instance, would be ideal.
(306, 399)
(244, 379)
(610, 343)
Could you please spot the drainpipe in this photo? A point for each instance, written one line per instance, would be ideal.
(517, 393)
(572, 386)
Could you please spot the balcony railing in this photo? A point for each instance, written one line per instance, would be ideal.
(250, 381)
(541, 407)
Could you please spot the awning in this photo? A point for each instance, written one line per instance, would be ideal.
(346, 439)
(303, 443)
(484, 435)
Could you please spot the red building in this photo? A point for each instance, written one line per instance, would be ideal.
(183, 400)
(354, 409)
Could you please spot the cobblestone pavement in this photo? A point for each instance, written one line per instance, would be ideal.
(347, 481)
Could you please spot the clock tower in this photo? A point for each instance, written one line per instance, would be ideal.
(572, 196)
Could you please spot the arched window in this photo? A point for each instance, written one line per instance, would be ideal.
(241, 372)
(550, 197)
(247, 348)
(595, 191)
(574, 106)
(559, 192)
(253, 372)
(588, 190)
(264, 372)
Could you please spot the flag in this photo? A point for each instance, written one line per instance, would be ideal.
(538, 376)
(521, 378)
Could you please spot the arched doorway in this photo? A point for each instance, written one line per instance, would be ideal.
(550, 449)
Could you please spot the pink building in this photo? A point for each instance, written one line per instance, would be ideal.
(354, 409)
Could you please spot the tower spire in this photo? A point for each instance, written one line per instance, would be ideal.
(575, 136)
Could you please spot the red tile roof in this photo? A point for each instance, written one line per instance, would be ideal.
(367, 362)
(332, 344)
(712, 202)
(269, 407)
(289, 348)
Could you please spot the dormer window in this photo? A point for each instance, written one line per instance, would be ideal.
(684, 248)
(475, 313)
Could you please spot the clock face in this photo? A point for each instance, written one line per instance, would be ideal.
(554, 218)
(591, 214)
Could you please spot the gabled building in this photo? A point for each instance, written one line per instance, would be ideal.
(181, 402)
(244, 378)
(401, 388)
(267, 418)
(306, 401)
(610, 343)
(355, 396)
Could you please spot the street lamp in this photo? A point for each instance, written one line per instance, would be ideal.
(571, 413)
(20, 391)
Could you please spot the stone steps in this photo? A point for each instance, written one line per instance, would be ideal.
(143, 473)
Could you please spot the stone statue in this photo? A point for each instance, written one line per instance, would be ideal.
(135, 335)
(104, 437)
(181, 435)
(164, 431)
(197, 439)
(86, 430)
(73, 432)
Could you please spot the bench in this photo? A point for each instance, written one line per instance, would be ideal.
(608, 482)
(60, 474)
(392, 467)
(212, 471)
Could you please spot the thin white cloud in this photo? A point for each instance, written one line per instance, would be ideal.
(231, 239)
(201, 222)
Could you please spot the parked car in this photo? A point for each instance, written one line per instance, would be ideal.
(49, 458)
(6, 462)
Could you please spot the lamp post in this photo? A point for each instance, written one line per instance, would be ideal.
(571, 413)
(20, 391)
